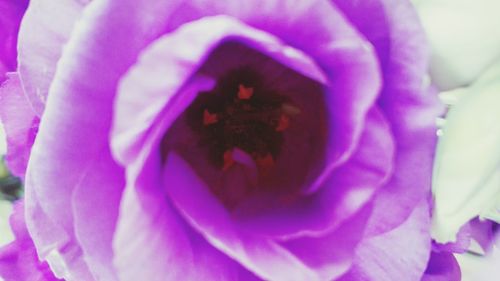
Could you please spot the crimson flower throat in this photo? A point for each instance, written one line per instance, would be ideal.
(241, 113)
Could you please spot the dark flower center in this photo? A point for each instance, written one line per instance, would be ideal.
(241, 113)
(256, 136)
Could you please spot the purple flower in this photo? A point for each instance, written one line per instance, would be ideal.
(227, 140)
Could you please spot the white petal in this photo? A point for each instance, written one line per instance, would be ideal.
(464, 38)
(467, 177)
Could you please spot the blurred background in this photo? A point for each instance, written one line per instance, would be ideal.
(10, 190)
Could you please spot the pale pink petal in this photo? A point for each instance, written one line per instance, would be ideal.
(45, 29)
(20, 123)
(388, 256)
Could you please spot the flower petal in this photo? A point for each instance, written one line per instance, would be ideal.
(317, 251)
(386, 256)
(130, 136)
(180, 64)
(347, 190)
(19, 260)
(96, 201)
(20, 124)
(483, 232)
(153, 243)
(462, 243)
(332, 43)
(262, 256)
(464, 38)
(467, 169)
(407, 103)
(12, 12)
(52, 242)
(72, 136)
(442, 267)
(46, 27)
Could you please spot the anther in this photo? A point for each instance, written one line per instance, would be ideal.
(265, 164)
(209, 118)
(244, 93)
(283, 123)
(228, 160)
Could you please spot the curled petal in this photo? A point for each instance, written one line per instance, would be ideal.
(96, 201)
(186, 54)
(343, 194)
(69, 142)
(466, 181)
(53, 244)
(12, 12)
(46, 27)
(458, 60)
(386, 256)
(19, 259)
(406, 101)
(20, 123)
(133, 136)
(318, 252)
(262, 256)
(442, 267)
(152, 242)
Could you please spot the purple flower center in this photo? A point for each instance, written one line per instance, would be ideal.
(258, 135)
(241, 112)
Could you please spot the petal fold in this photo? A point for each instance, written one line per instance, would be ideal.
(20, 124)
(152, 242)
(442, 267)
(262, 256)
(19, 260)
(45, 29)
(466, 180)
(386, 256)
(459, 60)
(408, 103)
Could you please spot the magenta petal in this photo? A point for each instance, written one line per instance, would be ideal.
(410, 107)
(96, 202)
(462, 243)
(73, 135)
(11, 13)
(155, 103)
(331, 255)
(46, 27)
(315, 28)
(442, 267)
(205, 213)
(346, 191)
(20, 123)
(19, 260)
(153, 243)
(179, 55)
(411, 180)
(483, 232)
(387, 257)
(53, 243)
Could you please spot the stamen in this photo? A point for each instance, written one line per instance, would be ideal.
(209, 118)
(283, 123)
(244, 93)
(242, 113)
(290, 109)
(228, 160)
(265, 164)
